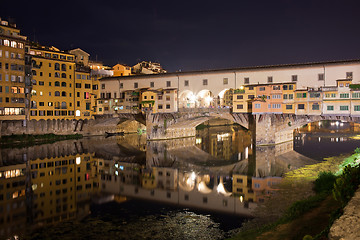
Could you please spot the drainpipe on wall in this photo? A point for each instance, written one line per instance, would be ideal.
(235, 80)
(177, 93)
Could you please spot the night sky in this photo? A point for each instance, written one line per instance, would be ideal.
(195, 35)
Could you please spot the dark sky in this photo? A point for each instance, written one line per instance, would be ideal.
(195, 35)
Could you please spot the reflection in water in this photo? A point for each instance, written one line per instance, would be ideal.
(218, 170)
(326, 138)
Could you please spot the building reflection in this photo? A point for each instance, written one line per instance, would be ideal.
(57, 182)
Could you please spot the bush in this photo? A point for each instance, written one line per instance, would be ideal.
(324, 182)
(346, 185)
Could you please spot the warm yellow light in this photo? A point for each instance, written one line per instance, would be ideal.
(242, 87)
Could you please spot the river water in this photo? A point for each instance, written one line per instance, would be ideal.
(128, 188)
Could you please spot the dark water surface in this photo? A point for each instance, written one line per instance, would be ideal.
(127, 188)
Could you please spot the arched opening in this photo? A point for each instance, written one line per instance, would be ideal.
(205, 99)
(77, 113)
(187, 99)
(63, 67)
(226, 141)
(130, 126)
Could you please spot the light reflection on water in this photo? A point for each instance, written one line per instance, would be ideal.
(192, 183)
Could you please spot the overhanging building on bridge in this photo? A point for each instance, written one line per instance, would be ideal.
(288, 88)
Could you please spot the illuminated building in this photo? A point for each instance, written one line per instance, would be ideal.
(121, 70)
(242, 99)
(52, 94)
(147, 68)
(13, 92)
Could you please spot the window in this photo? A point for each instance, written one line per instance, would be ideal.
(276, 96)
(160, 106)
(314, 95)
(63, 67)
(344, 95)
(186, 83)
(270, 79)
(276, 106)
(167, 98)
(251, 96)
(301, 106)
(294, 78)
(330, 108)
(63, 75)
(285, 96)
(288, 107)
(121, 86)
(57, 75)
(257, 105)
(240, 106)
(152, 84)
(225, 81)
(357, 108)
(57, 93)
(239, 97)
(136, 85)
(57, 66)
(167, 106)
(57, 84)
(300, 95)
(160, 97)
(356, 95)
(87, 85)
(78, 85)
(103, 86)
(344, 108)
(63, 94)
(63, 84)
(315, 106)
(246, 80)
(349, 75)
(320, 76)
(168, 83)
(205, 82)
(261, 88)
(276, 87)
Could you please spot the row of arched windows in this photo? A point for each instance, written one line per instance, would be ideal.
(57, 67)
(57, 93)
(57, 74)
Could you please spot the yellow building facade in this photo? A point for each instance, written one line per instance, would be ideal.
(121, 70)
(61, 89)
(52, 94)
(13, 102)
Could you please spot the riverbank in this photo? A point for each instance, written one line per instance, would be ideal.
(310, 213)
(26, 140)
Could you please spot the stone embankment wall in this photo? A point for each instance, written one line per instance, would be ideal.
(61, 127)
(37, 127)
(347, 226)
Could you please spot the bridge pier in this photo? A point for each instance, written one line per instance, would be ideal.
(270, 129)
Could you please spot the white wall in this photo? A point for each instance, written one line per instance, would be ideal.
(307, 77)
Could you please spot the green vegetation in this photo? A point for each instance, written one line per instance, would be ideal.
(306, 217)
(354, 86)
(26, 140)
